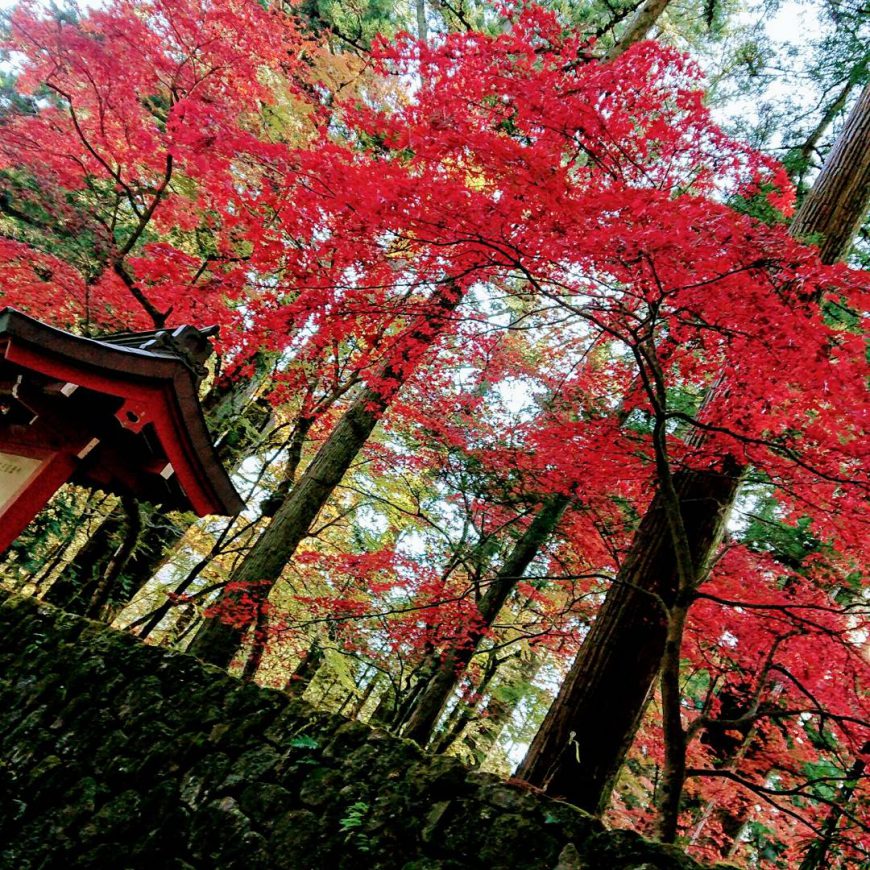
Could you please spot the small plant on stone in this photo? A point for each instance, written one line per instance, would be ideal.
(351, 823)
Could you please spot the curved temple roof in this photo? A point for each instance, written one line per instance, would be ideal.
(125, 408)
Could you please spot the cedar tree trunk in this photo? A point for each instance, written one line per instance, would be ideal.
(591, 724)
(447, 667)
(217, 641)
(579, 749)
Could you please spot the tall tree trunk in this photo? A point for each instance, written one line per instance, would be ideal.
(384, 711)
(674, 769)
(639, 27)
(589, 728)
(837, 203)
(446, 668)
(579, 749)
(218, 641)
(804, 154)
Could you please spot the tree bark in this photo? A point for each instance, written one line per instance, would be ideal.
(579, 749)
(366, 693)
(589, 728)
(837, 203)
(217, 641)
(805, 152)
(639, 27)
(447, 667)
(674, 770)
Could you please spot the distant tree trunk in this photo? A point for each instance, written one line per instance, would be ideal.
(447, 667)
(728, 753)
(259, 634)
(366, 693)
(218, 641)
(56, 558)
(304, 672)
(456, 722)
(462, 712)
(639, 27)
(817, 855)
(119, 559)
(384, 710)
(420, 15)
(75, 586)
(414, 685)
(291, 466)
(180, 627)
(591, 724)
(499, 710)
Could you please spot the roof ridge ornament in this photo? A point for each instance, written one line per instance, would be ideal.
(189, 343)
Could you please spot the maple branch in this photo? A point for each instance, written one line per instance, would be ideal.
(148, 213)
(616, 16)
(818, 709)
(753, 714)
(788, 452)
(457, 13)
(753, 605)
(115, 174)
(766, 793)
(157, 316)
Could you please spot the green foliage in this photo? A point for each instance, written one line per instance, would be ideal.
(759, 206)
(357, 21)
(40, 542)
(303, 741)
(789, 544)
(350, 824)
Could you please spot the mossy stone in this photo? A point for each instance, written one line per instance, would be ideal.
(265, 802)
(123, 755)
(627, 850)
(320, 787)
(297, 841)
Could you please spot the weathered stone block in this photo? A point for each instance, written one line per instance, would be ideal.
(117, 754)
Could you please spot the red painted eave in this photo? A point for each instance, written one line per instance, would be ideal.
(159, 384)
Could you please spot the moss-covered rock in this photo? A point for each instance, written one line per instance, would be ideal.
(115, 754)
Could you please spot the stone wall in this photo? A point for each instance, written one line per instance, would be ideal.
(115, 754)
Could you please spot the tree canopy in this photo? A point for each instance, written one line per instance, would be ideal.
(500, 302)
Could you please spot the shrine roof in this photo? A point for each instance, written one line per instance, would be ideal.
(140, 391)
